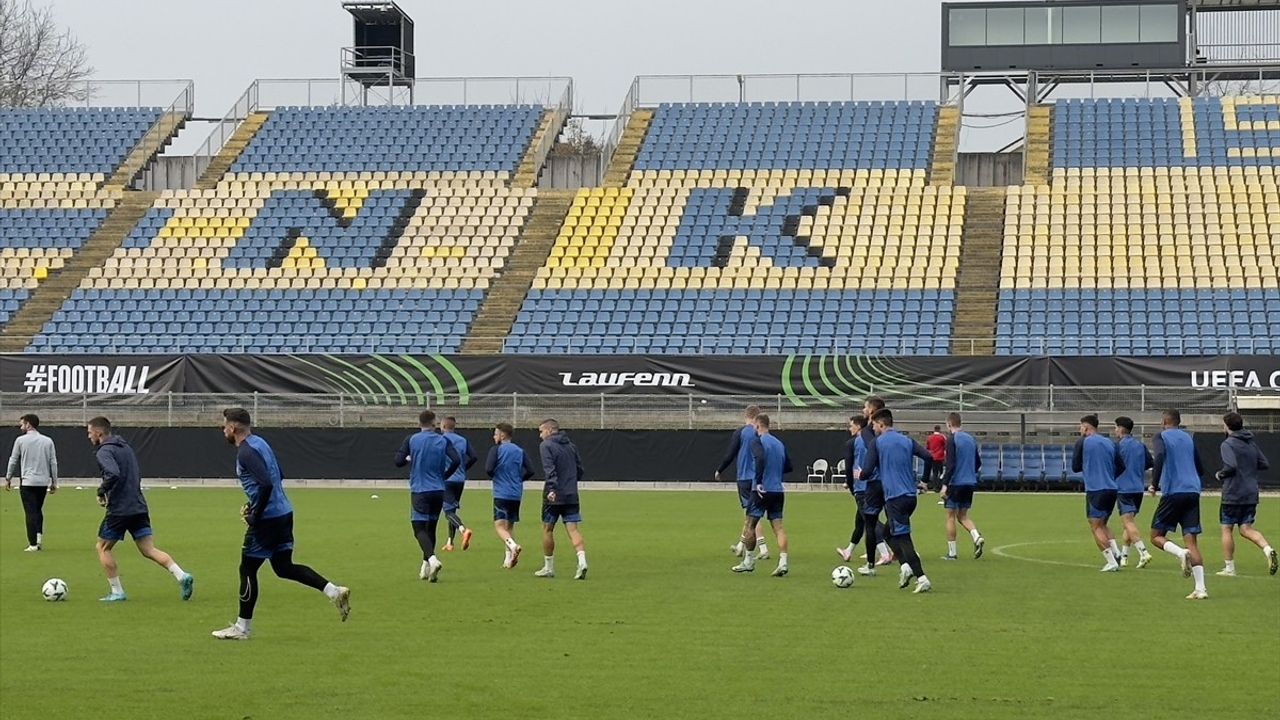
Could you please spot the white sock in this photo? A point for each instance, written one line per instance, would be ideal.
(975, 534)
(782, 560)
(748, 560)
(506, 559)
(741, 546)
(1124, 551)
(331, 591)
(1266, 551)
(549, 563)
(511, 543)
(1110, 558)
(761, 547)
(582, 558)
(1115, 549)
(951, 548)
(426, 566)
(1172, 548)
(883, 549)
(175, 570)
(1197, 572)
(848, 549)
(435, 561)
(1142, 547)
(39, 538)
(1231, 565)
(116, 586)
(922, 579)
(245, 625)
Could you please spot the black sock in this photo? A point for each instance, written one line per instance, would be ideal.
(869, 538)
(858, 525)
(249, 584)
(282, 563)
(455, 523)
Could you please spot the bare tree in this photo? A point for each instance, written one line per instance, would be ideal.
(41, 63)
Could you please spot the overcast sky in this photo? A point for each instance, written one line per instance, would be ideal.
(225, 44)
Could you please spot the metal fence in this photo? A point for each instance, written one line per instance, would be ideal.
(991, 408)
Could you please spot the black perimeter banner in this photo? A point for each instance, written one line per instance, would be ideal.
(802, 379)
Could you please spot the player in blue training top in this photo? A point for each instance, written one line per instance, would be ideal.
(854, 452)
(1242, 465)
(740, 452)
(562, 467)
(893, 457)
(456, 483)
(269, 516)
(960, 480)
(1178, 469)
(509, 467)
(434, 459)
(1095, 457)
(873, 499)
(767, 497)
(1133, 460)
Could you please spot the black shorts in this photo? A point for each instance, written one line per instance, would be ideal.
(453, 495)
(1130, 503)
(426, 505)
(860, 500)
(268, 537)
(873, 498)
(508, 510)
(1179, 509)
(768, 505)
(114, 527)
(1237, 514)
(1099, 504)
(959, 497)
(898, 513)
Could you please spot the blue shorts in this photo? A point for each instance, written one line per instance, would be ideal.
(959, 497)
(508, 510)
(425, 506)
(453, 496)
(566, 513)
(873, 498)
(1230, 514)
(768, 505)
(268, 537)
(1179, 509)
(898, 513)
(744, 495)
(1130, 503)
(114, 527)
(1099, 504)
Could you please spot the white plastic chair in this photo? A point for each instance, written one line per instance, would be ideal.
(819, 470)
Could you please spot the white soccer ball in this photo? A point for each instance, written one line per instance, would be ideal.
(842, 577)
(54, 590)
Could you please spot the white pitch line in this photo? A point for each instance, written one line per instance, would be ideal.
(1002, 552)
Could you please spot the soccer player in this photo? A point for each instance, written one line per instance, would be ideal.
(269, 519)
(1242, 463)
(563, 468)
(936, 444)
(434, 459)
(121, 494)
(1178, 468)
(1095, 457)
(873, 500)
(767, 497)
(1133, 460)
(959, 481)
(892, 456)
(509, 467)
(740, 452)
(35, 462)
(456, 483)
(855, 451)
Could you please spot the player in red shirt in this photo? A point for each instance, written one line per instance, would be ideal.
(936, 444)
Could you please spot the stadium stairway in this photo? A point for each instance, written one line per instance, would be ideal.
(978, 278)
(1039, 142)
(231, 150)
(624, 156)
(53, 292)
(530, 167)
(507, 293)
(146, 150)
(942, 170)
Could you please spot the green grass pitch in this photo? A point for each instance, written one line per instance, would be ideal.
(661, 629)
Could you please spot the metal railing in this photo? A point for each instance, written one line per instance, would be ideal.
(989, 409)
(135, 93)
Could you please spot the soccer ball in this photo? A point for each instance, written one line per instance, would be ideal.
(54, 590)
(842, 577)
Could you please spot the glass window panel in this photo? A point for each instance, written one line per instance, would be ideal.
(1036, 26)
(1158, 23)
(1004, 26)
(1120, 23)
(1055, 26)
(968, 27)
(1081, 25)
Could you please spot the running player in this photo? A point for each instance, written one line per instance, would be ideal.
(873, 500)
(959, 481)
(434, 459)
(855, 451)
(563, 468)
(740, 452)
(767, 497)
(1095, 457)
(121, 494)
(1242, 463)
(1178, 468)
(509, 467)
(269, 517)
(892, 456)
(456, 483)
(1133, 460)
